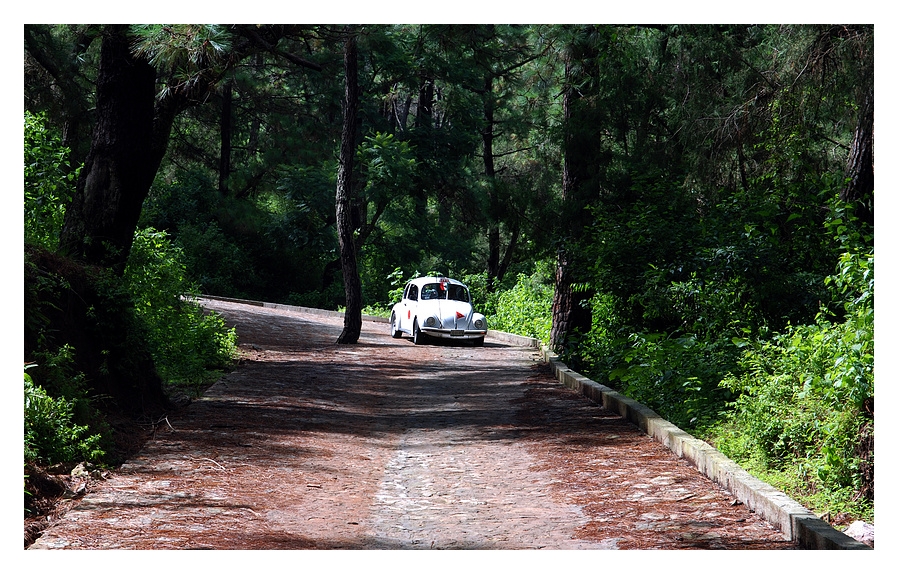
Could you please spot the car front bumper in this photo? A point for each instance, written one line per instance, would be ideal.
(453, 333)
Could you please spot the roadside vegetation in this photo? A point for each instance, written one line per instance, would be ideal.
(153, 306)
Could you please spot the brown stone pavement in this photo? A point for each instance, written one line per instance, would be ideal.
(388, 445)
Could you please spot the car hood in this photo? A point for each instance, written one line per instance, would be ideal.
(451, 314)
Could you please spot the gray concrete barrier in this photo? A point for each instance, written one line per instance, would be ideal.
(294, 308)
(796, 522)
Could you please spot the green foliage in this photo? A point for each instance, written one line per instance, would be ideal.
(49, 182)
(188, 346)
(677, 376)
(525, 309)
(804, 396)
(397, 281)
(80, 328)
(186, 51)
(389, 165)
(271, 247)
(485, 301)
(715, 224)
(216, 261)
(51, 435)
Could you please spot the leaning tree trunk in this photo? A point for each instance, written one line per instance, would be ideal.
(352, 322)
(99, 224)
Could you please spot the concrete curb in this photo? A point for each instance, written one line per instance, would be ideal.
(307, 310)
(796, 522)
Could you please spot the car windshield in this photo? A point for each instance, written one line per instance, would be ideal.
(445, 291)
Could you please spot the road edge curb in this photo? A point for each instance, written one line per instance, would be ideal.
(795, 521)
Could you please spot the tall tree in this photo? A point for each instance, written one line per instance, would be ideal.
(499, 59)
(580, 149)
(352, 319)
(133, 122)
(224, 162)
(856, 62)
(100, 222)
(489, 61)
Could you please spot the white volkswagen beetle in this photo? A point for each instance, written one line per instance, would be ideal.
(437, 307)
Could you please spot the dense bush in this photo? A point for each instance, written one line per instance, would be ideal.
(795, 408)
(87, 337)
(87, 345)
(187, 345)
(266, 246)
(51, 433)
(805, 401)
(525, 309)
(789, 396)
(678, 376)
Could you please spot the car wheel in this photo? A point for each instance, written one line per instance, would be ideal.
(417, 335)
(394, 331)
(478, 342)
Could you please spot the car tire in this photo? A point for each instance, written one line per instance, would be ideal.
(477, 342)
(394, 331)
(417, 335)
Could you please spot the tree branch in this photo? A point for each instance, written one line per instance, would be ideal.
(253, 35)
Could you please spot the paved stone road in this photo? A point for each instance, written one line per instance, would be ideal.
(388, 445)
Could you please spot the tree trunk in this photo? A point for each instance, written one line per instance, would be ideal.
(569, 311)
(859, 189)
(424, 117)
(116, 178)
(352, 322)
(509, 251)
(224, 162)
(489, 172)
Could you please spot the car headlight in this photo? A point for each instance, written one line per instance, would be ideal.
(479, 324)
(430, 322)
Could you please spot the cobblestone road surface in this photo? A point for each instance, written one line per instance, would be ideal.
(388, 445)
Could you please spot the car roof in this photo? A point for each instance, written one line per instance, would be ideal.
(434, 279)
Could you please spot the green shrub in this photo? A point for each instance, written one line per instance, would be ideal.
(525, 309)
(188, 346)
(51, 436)
(485, 301)
(803, 399)
(82, 331)
(49, 182)
(396, 281)
(678, 376)
(217, 262)
(595, 353)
